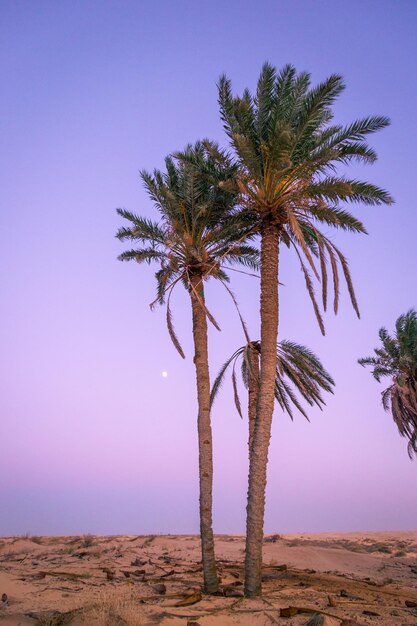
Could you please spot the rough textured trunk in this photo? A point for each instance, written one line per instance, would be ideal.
(205, 443)
(253, 391)
(262, 434)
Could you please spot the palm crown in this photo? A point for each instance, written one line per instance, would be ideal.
(288, 152)
(199, 233)
(397, 360)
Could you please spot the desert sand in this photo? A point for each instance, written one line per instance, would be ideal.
(325, 579)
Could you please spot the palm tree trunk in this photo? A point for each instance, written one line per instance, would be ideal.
(262, 434)
(253, 390)
(205, 442)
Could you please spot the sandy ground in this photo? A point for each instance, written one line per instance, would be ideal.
(327, 579)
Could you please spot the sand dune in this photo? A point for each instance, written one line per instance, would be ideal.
(368, 578)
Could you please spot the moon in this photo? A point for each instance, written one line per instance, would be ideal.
(164, 374)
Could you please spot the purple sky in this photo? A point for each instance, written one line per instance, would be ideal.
(93, 439)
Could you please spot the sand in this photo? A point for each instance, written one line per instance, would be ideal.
(368, 578)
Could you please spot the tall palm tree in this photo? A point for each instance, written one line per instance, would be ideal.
(288, 152)
(397, 360)
(196, 235)
(298, 371)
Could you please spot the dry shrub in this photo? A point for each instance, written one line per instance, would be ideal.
(24, 536)
(37, 540)
(88, 541)
(377, 547)
(117, 610)
(55, 619)
(295, 542)
(383, 548)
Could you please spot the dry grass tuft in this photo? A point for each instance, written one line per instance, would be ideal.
(117, 610)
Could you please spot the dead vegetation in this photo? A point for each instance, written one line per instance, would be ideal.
(139, 581)
(88, 541)
(272, 538)
(149, 539)
(347, 544)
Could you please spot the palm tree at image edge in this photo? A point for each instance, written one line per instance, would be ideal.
(397, 359)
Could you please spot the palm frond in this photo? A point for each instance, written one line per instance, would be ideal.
(310, 290)
(220, 376)
(142, 229)
(171, 329)
(145, 255)
(235, 392)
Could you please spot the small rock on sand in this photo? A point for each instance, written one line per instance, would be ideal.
(159, 588)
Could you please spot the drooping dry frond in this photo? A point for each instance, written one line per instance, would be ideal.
(310, 290)
(235, 392)
(170, 326)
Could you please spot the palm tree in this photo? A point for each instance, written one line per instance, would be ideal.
(288, 153)
(397, 359)
(298, 371)
(196, 235)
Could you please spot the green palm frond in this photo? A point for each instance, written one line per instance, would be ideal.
(142, 229)
(245, 255)
(339, 218)
(145, 255)
(264, 97)
(369, 194)
(358, 129)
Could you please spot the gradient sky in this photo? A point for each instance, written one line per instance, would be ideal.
(93, 439)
